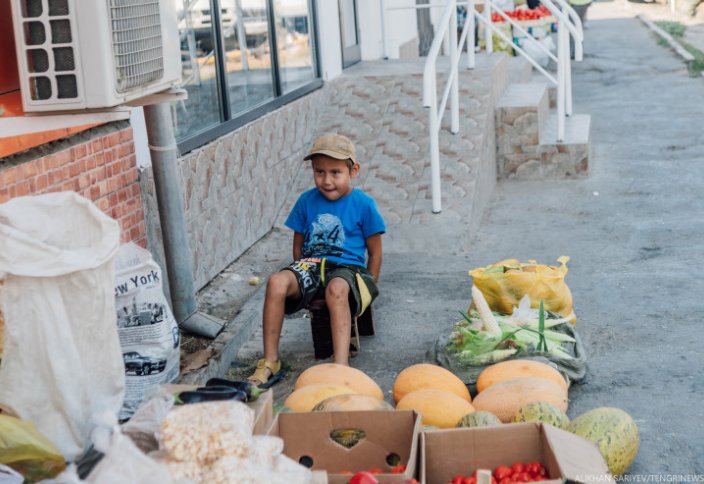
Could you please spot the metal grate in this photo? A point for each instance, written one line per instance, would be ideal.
(137, 42)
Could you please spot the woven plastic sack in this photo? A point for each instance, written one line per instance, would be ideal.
(573, 368)
(506, 282)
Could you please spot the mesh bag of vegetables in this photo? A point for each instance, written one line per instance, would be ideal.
(482, 340)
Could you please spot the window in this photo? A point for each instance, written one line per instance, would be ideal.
(241, 58)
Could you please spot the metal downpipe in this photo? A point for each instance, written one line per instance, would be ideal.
(177, 252)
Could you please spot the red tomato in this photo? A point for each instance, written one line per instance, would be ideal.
(525, 477)
(458, 480)
(517, 467)
(399, 469)
(363, 478)
(470, 480)
(506, 480)
(502, 471)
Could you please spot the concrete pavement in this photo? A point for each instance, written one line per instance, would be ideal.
(633, 229)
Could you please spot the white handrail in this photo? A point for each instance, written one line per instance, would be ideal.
(568, 23)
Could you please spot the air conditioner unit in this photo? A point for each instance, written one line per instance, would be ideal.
(84, 54)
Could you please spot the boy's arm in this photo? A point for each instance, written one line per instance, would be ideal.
(374, 255)
(297, 245)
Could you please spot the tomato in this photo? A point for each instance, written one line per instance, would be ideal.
(376, 470)
(470, 480)
(399, 469)
(517, 467)
(506, 480)
(363, 478)
(524, 477)
(458, 480)
(501, 472)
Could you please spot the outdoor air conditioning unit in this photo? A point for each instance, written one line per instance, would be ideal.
(85, 54)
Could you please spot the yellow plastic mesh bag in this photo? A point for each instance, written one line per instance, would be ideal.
(506, 282)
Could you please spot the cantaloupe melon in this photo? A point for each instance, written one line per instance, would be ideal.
(504, 399)
(306, 398)
(439, 408)
(356, 380)
(614, 432)
(425, 375)
(346, 403)
(508, 370)
(479, 419)
(542, 412)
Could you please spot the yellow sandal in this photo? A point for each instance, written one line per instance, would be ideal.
(260, 374)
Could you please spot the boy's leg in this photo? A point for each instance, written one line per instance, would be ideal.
(279, 287)
(337, 300)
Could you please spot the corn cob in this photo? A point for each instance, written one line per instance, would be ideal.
(485, 314)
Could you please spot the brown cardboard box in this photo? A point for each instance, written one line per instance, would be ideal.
(307, 438)
(263, 406)
(446, 453)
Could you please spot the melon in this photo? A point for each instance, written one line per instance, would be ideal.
(346, 403)
(508, 370)
(542, 412)
(479, 419)
(613, 431)
(356, 380)
(306, 398)
(504, 399)
(439, 408)
(425, 375)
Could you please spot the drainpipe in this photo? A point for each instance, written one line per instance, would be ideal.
(164, 153)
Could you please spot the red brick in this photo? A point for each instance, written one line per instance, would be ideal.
(122, 195)
(54, 177)
(125, 150)
(99, 158)
(80, 151)
(4, 194)
(23, 189)
(63, 157)
(96, 145)
(69, 186)
(113, 199)
(126, 135)
(113, 185)
(104, 205)
(12, 191)
(109, 155)
(42, 182)
(90, 163)
(131, 176)
(8, 176)
(94, 193)
(29, 169)
(134, 233)
(112, 139)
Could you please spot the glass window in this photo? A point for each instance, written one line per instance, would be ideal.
(247, 55)
(247, 72)
(293, 40)
(199, 75)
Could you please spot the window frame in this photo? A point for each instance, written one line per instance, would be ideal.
(228, 123)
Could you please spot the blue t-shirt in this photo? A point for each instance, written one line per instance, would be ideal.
(336, 230)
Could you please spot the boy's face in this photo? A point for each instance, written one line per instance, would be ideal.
(333, 177)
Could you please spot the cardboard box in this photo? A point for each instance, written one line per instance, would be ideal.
(446, 453)
(307, 440)
(263, 406)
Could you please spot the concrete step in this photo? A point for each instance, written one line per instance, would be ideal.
(519, 69)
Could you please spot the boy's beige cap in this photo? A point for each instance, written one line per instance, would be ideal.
(334, 145)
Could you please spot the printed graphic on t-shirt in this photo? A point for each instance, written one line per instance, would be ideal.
(326, 238)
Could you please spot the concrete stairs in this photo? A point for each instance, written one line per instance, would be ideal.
(526, 131)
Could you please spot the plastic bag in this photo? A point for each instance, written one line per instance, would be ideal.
(574, 367)
(144, 426)
(62, 366)
(27, 451)
(506, 282)
(148, 332)
(124, 462)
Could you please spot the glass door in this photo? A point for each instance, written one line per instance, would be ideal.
(349, 33)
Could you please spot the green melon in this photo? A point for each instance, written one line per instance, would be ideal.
(613, 431)
(542, 412)
(479, 419)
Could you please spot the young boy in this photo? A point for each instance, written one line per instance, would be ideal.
(335, 228)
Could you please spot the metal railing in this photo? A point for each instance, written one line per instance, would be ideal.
(568, 24)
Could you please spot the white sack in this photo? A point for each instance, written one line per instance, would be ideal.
(62, 367)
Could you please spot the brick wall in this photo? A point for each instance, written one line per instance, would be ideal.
(101, 166)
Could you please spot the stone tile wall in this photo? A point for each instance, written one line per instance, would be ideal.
(235, 186)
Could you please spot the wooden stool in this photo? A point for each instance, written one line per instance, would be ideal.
(362, 325)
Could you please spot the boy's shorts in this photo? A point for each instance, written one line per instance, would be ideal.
(313, 275)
